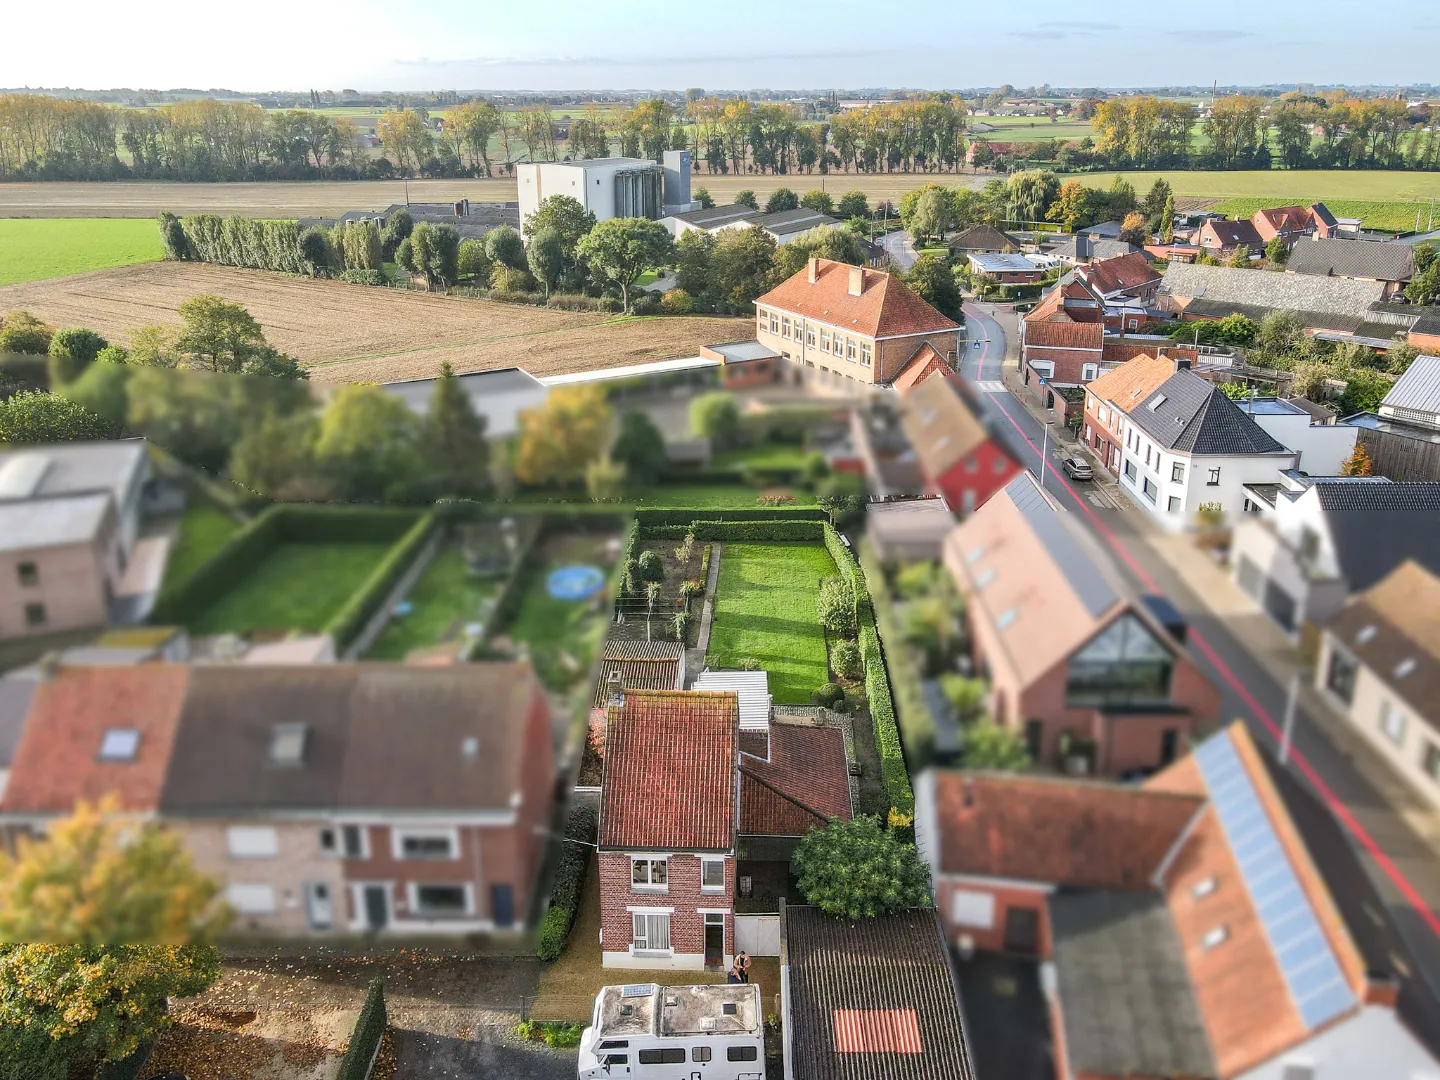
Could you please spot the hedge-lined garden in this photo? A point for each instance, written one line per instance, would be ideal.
(569, 884)
(366, 1038)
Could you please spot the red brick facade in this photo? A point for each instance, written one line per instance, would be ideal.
(682, 894)
(1006, 895)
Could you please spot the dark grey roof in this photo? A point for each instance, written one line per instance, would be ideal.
(1107, 229)
(1323, 215)
(1090, 583)
(1263, 289)
(890, 964)
(1376, 526)
(16, 691)
(797, 220)
(983, 238)
(1353, 259)
(1418, 388)
(1099, 248)
(718, 215)
(377, 737)
(1232, 233)
(1192, 415)
(1126, 999)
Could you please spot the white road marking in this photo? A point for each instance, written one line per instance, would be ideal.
(991, 387)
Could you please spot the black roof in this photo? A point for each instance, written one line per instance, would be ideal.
(1126, 1000)
(890, 968)
(1377, 526)
(1193, 415)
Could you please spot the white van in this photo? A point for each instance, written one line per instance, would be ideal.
(649, 1032)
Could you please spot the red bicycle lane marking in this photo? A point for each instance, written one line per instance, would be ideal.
(1331, 800)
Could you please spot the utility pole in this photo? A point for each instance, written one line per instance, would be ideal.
(1288, 728)
(1044, 450)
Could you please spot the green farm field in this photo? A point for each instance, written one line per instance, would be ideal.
(1033, 129)
(766, 607)
(36, 249)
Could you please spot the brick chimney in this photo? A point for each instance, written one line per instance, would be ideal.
(857, 280)
(812, 274)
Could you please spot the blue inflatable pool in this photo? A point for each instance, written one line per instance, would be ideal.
(575, 582)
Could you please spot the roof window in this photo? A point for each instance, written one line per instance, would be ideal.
(1405, 667)
(1364, 634)
(975, 554)
(1203, 888)
(119, 744)
(1005, 618)
(1159, 400)
(287, 744)
(986, 576)
(1215, 937)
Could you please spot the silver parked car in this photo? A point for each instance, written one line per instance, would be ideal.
(1077, 469)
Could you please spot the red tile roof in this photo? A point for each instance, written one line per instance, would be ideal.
(1127, 272)
(803, 785)
(670, 772)
(885, 307)
(926, 361)
(1049, 309)
(58, 761)
(1063, 832)
(1065, 335)
(1132, 382)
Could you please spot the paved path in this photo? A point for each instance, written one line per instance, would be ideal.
(695, 658)
(1402, 871)
(900, 248)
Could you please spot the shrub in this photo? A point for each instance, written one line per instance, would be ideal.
(365, 277)
(365, 1040)
(691, 588)
(749, 663)
(775, 498)
(837, 607)
(21, 332)
(858, 870)
(915, 580)
(677, 302)
(647, 303)
(845, 659)
(828, 694)
(651, 566)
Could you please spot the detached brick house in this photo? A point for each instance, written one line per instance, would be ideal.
(1093, 676)
(854, 323)
(325, 798)
(960, 455)
(1220, 238)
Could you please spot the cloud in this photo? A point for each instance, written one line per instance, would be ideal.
(1060, 29)
(667, 59)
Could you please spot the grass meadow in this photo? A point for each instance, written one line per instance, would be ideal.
(766, 607)
(296, 587)
(447, 594)
(36, 249)
(203, 532)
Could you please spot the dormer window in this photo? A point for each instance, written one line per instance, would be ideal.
(287, 744)
(119, 744)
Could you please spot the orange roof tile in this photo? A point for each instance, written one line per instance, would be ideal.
(670, 771)
(926, 361)
(58, 759)
(804, 783)
(1065, 335)
(886, 307)
(1132, 382)
(941, 425)
(1049, 308)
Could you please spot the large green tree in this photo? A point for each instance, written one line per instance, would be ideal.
(33, 416)
(433, 252)
(506, 251)
(716, 417)
(369, 444)
(639, 447)
(934, 281)
(620, 250)
(560, 438)
(858, 870)
(546, 256)
(455, 446)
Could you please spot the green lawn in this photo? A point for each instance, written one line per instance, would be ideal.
(768, 456)
(1033, 128)
(298, 586)
(765, 607)
(710, 497)
(562, 634)
(33, 249)
(203, 532)
(446, 594)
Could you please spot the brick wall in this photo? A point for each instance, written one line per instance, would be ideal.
(299, 862)
(70, 585)
(971, 481)
(1006, 896)
(687, 924)
(895, 353)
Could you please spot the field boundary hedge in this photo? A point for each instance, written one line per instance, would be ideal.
(365, 1040)
(184, 601)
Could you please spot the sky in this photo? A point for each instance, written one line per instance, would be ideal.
(563, 45)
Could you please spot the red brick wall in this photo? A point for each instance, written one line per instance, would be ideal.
(687, 925)
(1069, 363)
(1006, 896)
(992, 470)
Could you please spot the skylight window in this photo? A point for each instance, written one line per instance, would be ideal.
(287, 744)
(1005, 618)
(975, 554)
(1159, 400)
(1405, 667)
(1203, 888)
(985, 578)
(1215, 937)
(119, 744)
(1364, 634)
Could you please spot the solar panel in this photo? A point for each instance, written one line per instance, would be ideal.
(637, 990)
(1308, 963)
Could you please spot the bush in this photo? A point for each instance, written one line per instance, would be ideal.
(33, 416)
(677, 302)
(859, 869)
(845, 659)
(651, 567)
(365, 277)
(827, 694)
(365, 601)
(647, 303)
(71, 352)
(21, 332)
(837, 606)
(365, 1039)
(569, 884)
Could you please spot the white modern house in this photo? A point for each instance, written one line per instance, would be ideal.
(1306, 544)
(1188, 446)
(1323, 446)
(610, 187)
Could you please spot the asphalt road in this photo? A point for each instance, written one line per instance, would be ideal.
(1327, 784)
(900, 248)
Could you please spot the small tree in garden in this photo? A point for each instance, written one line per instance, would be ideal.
(652, 567)
(717, 418)
(989, 746)
(679, 623)
(837, 607)
(605, 480)
(845, 659)
(686, 548)
(652, 594)
(858, 870)
(1358, 463)
(640, 447)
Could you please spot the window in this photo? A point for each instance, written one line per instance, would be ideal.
(670, 1055)
(741, 1053)
(439, 901)
(649, 873)
(327, 841)
(426, 844)
(1203, 888)
(712, 875)
(1001, 464)
(865, 354)
(1122, 665)
(972, 464)
(1130, 468)
(849, 348)
(1005, 619)
(28, 573)
(356, 842)
(1214, 937)
(35, 615)
(824, 340)
(251, 899)
(785, 326)
(774, 323)
(1089, 371)
(651, 931)
(1392, 722)
(1173, 504)
(1177, 472)
(1087, 433)
(1156, 402)
(287, 744)
(1340, 678)
(1431, 761)
(1148, 487)
(247, 842)
(1214, 480)
(809, 335)
(119, 744)
(1405, 667)
(700, 1053)
(971, 908)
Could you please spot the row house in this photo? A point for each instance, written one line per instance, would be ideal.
(326, 799)
(963, 455)
(1109, 398)
(1184, 927)
(1093, 676)
(855, 323)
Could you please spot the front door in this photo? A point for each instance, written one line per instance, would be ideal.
(714, 939)
(377, 907)
(502, 905)
(1022, 930)
(320, 905)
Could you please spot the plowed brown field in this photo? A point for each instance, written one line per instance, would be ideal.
(354, 333)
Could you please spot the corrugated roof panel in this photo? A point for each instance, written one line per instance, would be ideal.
(1418, 388)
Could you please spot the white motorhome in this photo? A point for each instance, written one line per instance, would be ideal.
(649, 1032)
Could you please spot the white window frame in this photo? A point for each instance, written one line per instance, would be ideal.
(1044, 368)
(252, 841)
(785, 326)
(398, 836)
(849, 348)
(707, 860)
(362, 831)
(1389, 715)
(412, 900)
(824, 340)
(810, 335)
(973, 909)
(1089, 371)
(257, 891)
(867, 354)
(649, 885)
(647, 914)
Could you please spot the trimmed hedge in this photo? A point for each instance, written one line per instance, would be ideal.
(701, 476)
(916, 724)
(365, 1040)
(185, 600)
(569, 885)
(740, 531)
(365, 601)
(126, 1068)
(759, 513)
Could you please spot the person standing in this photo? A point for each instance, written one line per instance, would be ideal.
(742, 965)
